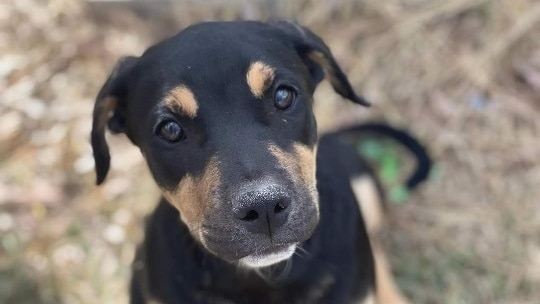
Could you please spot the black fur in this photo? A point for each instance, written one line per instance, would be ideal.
(335, 265)
(333, 262)
(424, 162)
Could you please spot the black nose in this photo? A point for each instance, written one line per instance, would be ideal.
(262, 210)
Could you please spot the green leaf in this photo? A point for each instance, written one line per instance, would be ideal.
(389, 166)
(398, 194)
(370, 148)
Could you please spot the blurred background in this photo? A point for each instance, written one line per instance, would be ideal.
(462, 75)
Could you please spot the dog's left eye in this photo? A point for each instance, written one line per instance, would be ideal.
(170, 131)
(284, 97)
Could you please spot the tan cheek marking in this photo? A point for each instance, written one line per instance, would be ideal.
(181, 99)
(306, 162)
(259, 77)
(194, 196)
(299, 164)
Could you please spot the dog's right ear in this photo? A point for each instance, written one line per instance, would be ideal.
(317, 57)
(109, 109)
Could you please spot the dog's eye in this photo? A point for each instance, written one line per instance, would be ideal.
(170, 131)
(284, 97)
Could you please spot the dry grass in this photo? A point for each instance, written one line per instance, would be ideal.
(464, 75)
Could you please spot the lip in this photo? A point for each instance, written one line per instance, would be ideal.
(272, 250)
(269, 256)
(244, 244)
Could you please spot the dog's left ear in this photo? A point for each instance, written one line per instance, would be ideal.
(318, 58)
(109, 110)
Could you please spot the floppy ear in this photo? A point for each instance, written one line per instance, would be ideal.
(318, 58)
(109, 109)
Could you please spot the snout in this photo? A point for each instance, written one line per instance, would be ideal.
(261, 222)
(265, 205)
(262, 209)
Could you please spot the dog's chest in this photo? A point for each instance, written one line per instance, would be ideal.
(263, 292)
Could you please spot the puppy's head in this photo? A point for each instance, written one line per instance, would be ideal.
(222, 112)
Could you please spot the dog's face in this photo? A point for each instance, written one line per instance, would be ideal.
(222, 113)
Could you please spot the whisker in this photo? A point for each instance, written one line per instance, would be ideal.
(286, 270)
(302, 250)
(263, 276)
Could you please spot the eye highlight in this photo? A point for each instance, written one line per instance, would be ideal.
(284, 97)
(171, 131)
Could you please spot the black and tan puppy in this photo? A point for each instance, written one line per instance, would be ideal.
(222, 113)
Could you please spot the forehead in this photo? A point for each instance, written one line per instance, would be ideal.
(217, 51)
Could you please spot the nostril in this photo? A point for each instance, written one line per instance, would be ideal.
(261, 208)
(279, 207)
(251, 216)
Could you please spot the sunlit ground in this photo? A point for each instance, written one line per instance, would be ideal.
(463, 75)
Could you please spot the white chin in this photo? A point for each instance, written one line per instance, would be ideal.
(258, 260)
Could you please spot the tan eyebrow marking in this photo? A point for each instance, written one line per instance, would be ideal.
(181, 99)
(259, 77)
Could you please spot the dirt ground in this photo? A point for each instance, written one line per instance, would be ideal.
(462, 75)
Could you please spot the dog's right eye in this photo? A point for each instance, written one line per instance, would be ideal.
(284, 97)
(170, 131)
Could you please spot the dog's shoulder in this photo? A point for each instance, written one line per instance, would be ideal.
(338, 162)
(342, 227)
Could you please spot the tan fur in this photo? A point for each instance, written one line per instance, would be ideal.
(259, 77)
(192, 197)
(321, 60)
(367, 194)
(300, 164)
(321, 289)
(387, 290)
(182, 100)
(369, 201)
(370, 299)
(106, 107)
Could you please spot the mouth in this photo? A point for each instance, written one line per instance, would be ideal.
(267, 257)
